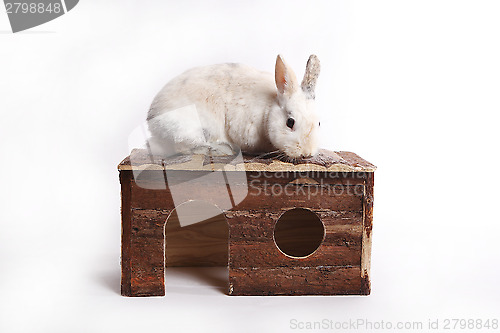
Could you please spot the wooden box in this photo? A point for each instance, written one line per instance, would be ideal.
(299, 229)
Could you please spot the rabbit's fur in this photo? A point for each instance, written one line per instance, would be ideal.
(226, 107)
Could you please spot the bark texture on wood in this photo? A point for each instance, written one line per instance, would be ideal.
(125, 180)
(325, 160)
(367, 233)
(252, 243)
(243, 238)
(147, 252)
(318, 280)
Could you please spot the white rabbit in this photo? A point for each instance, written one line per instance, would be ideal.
(238, 107)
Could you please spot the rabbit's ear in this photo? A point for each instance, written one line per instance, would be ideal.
(286, 81)
(311, 76)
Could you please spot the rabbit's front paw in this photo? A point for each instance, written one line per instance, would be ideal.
(221, 149)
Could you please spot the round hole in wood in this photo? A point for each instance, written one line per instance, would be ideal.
(298, 233)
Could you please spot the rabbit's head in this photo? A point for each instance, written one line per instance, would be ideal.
(293, 126)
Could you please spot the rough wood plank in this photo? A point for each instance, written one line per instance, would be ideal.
(147, 252)
(336, 197)
(356, 161)
(151, 177)
(318, 177)
(346, 209)
(147, 190)
(367, 234)
(303, 196)
(266, 254)
(125, 179)
(143, 198)
(325, 160)
(320, 280)
(259, 226)
(252, 240)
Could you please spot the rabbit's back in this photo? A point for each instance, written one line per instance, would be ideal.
(235, 106)
(216, 89)
(231, 103)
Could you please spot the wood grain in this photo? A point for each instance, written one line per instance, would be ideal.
(319, 280)
(252, 243)
(243, 237)
(126, 276)
(325, 160)
(146, 253)
(263, 195)
(200, 244)
(367, 234)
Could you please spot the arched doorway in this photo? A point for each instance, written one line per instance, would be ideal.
(196, 254)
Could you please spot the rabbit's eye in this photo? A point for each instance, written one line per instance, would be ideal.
(319, 124)
(290, 122)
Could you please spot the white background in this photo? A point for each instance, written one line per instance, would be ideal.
(412, 86)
